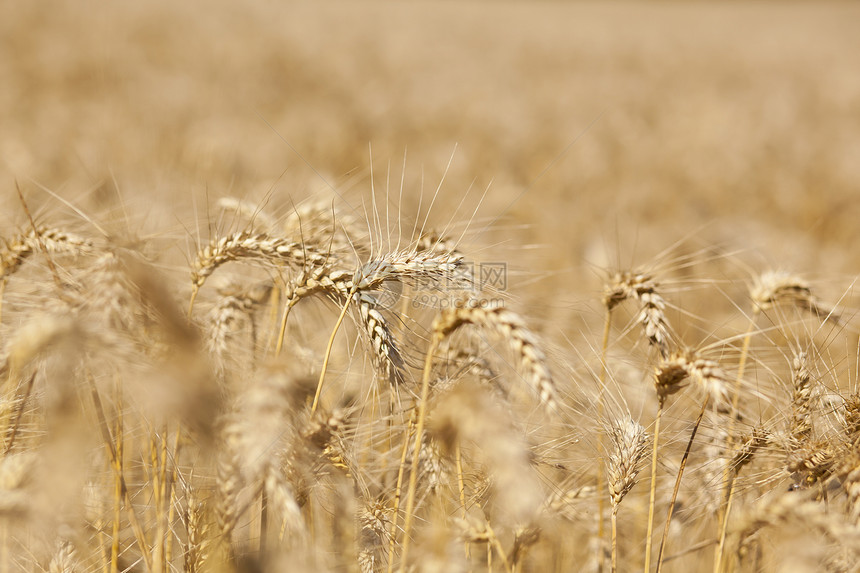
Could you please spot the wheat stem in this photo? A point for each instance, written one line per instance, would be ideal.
(678, 482)
(601, 410)
(653, 495)
(398, 490)
(437, 338)
(614, 521)
(328, 353)
(461, 486)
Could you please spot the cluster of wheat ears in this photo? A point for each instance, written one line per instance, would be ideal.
(284, 403)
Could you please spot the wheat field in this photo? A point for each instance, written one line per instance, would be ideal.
(429, 286)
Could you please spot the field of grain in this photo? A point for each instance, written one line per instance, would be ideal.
(429, 286)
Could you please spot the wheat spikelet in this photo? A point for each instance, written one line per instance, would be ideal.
(34, 337)
(16, 251)
(800, 422)
(797, 507)
(464, 363)
(245, 245)
(630, 443)
(195, 550)
(851, 485)
(343, 232)
(373, 523)
(652, 315)
(851, 418)
(232, 311)
(114, 297)
(512, 329)
(229, 484)
(748, 448)
(680, 365)
(562, 501)
(64, 559)
(773, 287)
(424, 268)
(339, 286)
(15, 500)
(283, 500)
(813, 462)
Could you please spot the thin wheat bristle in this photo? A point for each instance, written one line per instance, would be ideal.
(249, 211)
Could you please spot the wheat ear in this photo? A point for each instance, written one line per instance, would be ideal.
(652, 316)
(773, 287)
(511, 328)
(245, 245)
(629, 442)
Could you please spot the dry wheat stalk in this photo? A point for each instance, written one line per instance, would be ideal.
(465, 416)
(652, 316)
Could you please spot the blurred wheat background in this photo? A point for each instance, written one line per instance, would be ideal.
(668, 153)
